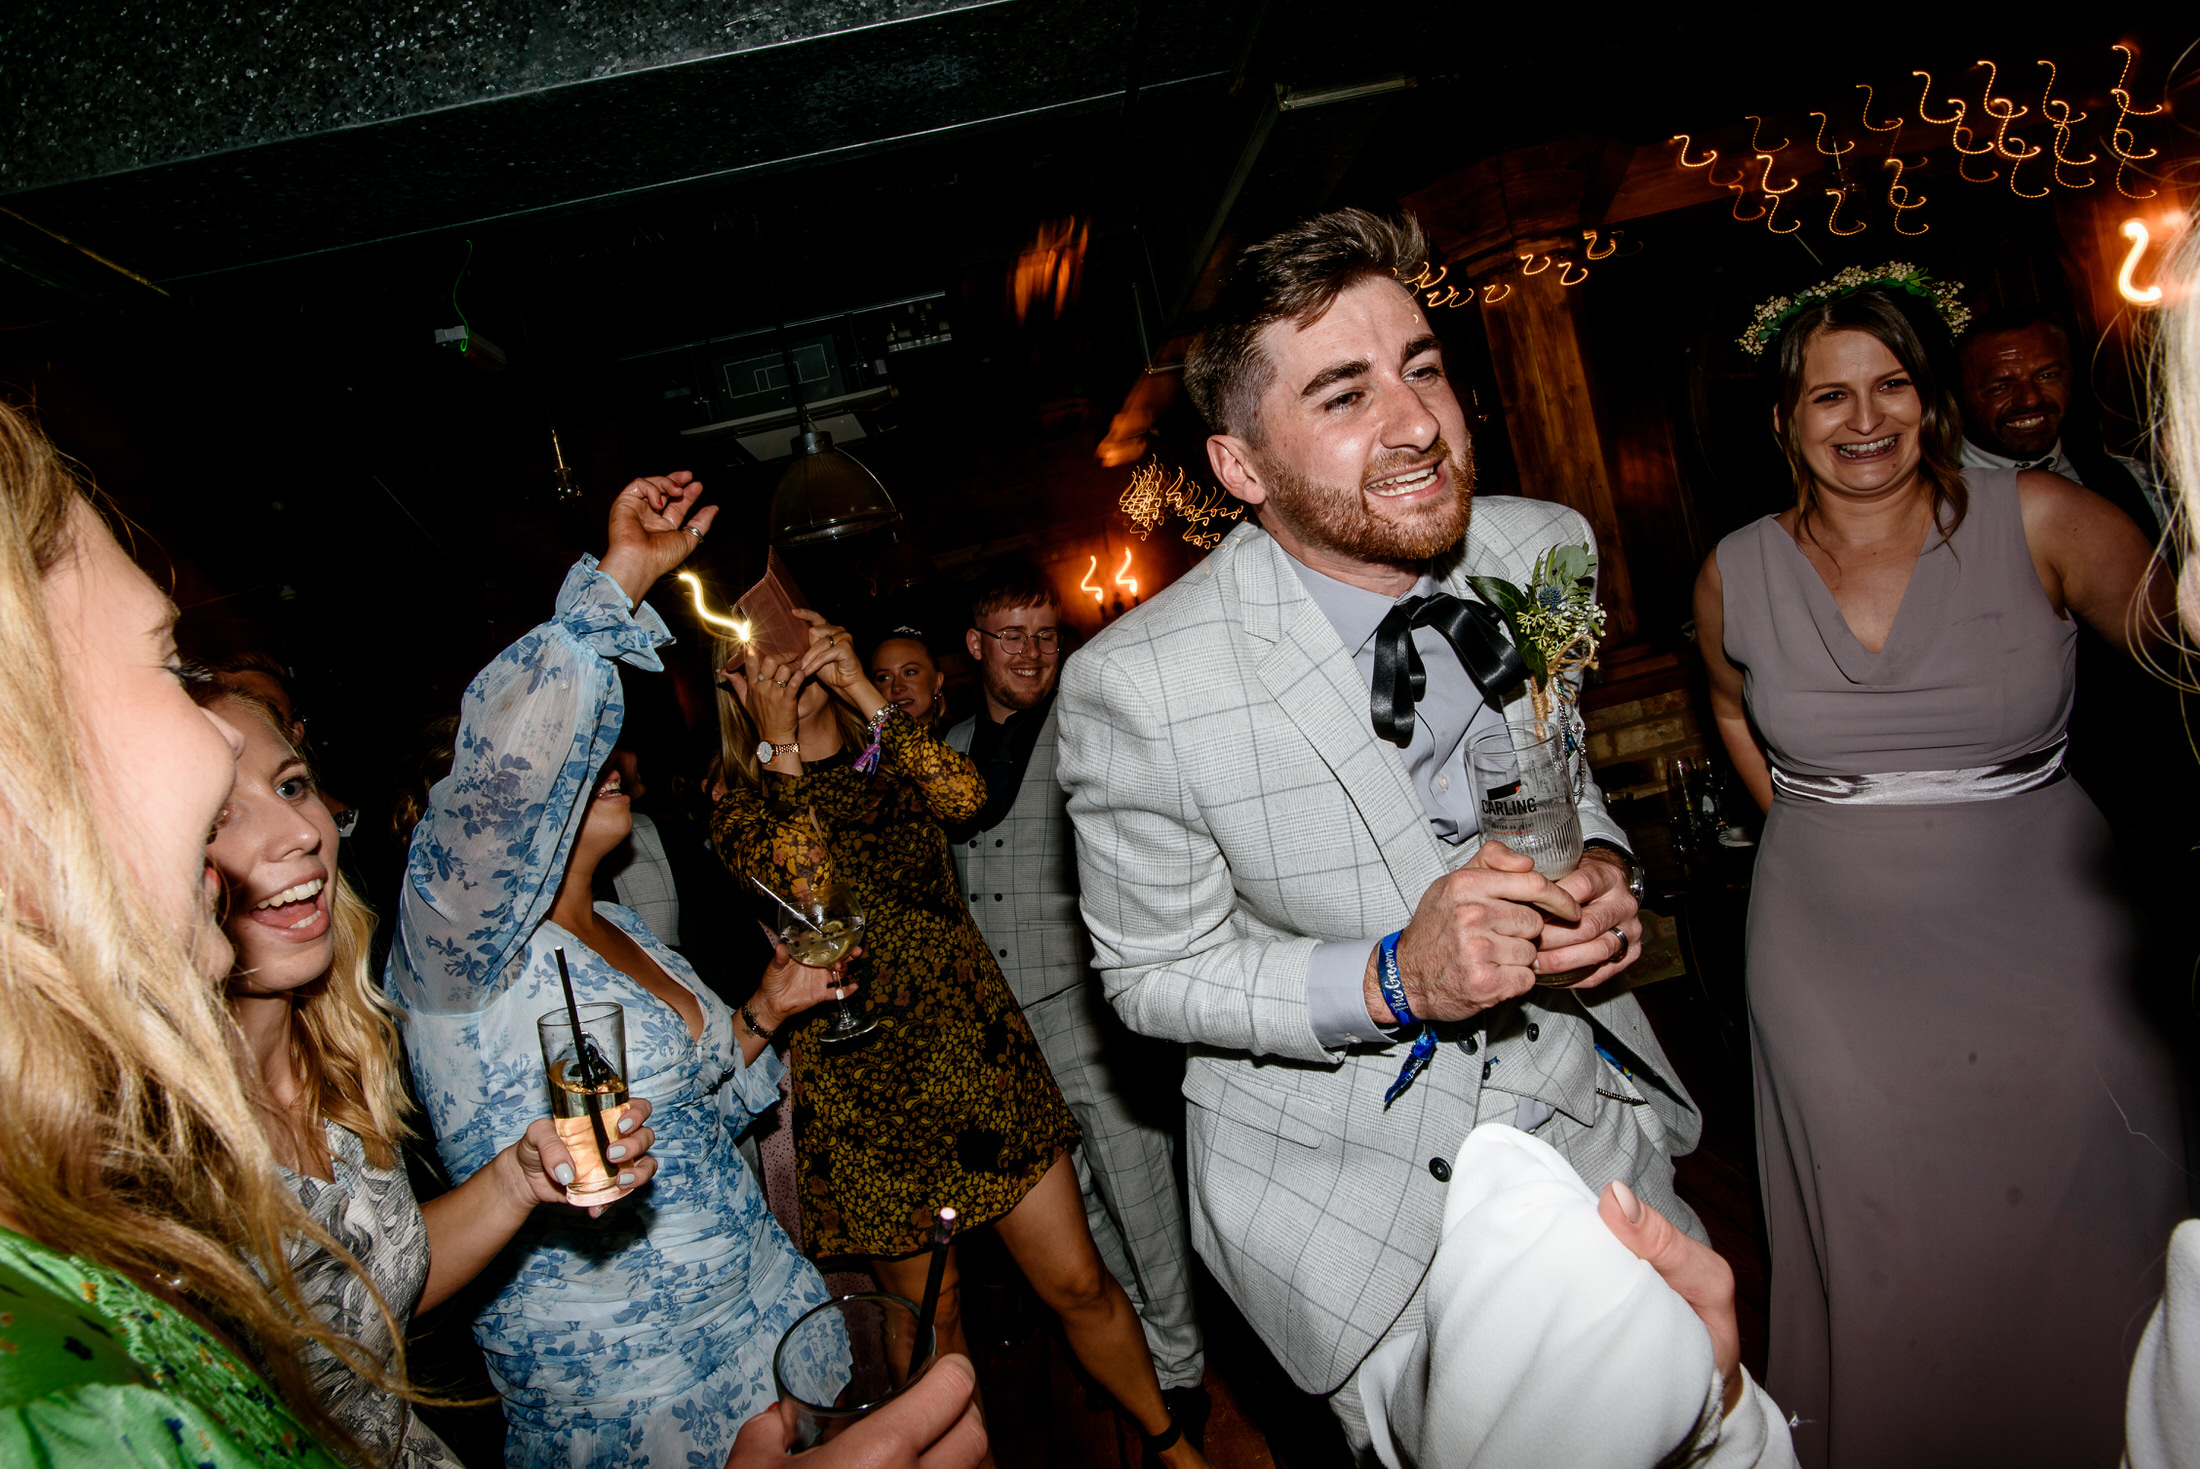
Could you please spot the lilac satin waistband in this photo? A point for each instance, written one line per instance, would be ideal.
(1927, 787)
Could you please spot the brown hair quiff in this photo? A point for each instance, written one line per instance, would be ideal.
(131, 1140)
(1882, 315)
(1019, 584)
(1294, 276)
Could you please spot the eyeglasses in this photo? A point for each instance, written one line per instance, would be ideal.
(1046, 639)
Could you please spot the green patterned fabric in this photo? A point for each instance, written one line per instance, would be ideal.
(94, 1370)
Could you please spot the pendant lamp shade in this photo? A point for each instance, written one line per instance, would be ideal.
(825, 495)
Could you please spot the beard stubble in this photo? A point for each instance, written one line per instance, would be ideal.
(1340, 521)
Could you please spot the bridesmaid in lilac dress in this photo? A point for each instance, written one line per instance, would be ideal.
(1968, 1131)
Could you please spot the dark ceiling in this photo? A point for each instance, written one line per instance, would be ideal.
(229, 230)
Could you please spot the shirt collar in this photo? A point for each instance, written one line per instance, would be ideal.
(1355, 612)
(1979, 457)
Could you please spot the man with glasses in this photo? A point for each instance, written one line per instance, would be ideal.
(1018, 861)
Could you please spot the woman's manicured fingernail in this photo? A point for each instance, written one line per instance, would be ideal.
(1628, 1203)
(626, 1180)
(627, 1125)
(618, 1151)
(563, 1173)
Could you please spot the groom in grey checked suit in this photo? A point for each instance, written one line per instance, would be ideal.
(1246, 838)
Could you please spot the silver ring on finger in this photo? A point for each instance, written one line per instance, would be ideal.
(691, 530)
(1624, 943)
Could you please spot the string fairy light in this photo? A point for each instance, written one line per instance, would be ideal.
(1833, 215)
(1525, 269)
(1589, 247)
(1710, 156)
(1898, 197)
(2020, 193)
(2136, 231)
(1495, 292)
(1565, 279)
(1153, 494)
(1740, 194)
(1865, 117)
(1820, 142)
(1925, 91)
(2125, 157)
(1772, 210)
(1766, 182)
(1756, 143)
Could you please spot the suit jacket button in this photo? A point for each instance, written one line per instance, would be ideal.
(1533, 1032)
(997, 841)
(1469, 1043)
(996, 897)
(1004, 953)
(975, 896)
(1439, 1170)
(973, 844)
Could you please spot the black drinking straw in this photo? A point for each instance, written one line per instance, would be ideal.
(589, 1078)
(943, 1232)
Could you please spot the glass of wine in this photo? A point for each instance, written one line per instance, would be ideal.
(603, 1035)
(846, 1359)
(821, 923)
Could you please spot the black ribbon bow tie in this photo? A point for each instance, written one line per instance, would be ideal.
(1475, 633)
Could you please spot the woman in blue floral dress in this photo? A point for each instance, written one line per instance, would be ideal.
(643, 1338)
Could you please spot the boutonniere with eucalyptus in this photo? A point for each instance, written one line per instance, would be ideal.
(1555, 623)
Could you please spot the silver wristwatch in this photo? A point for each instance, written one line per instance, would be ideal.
(1638, 881)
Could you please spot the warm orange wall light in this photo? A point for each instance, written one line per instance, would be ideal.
(2136, 232)
(1123, 578)
(1099, 594)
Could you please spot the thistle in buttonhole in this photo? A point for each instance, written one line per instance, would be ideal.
(1555, 622)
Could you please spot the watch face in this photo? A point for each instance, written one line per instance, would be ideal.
(763, 752)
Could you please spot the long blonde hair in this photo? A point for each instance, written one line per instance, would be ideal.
(2177, 361)
(343, 1034)
(737, 733)
(130, 1139)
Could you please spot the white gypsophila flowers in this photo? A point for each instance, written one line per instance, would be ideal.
(1771, 317)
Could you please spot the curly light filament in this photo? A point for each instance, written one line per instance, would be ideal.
(2062, 136)
(1740, 194)
(1710, 155)
(1820, 142)
(1084, 584)
(1526, 269)
(1494, 293)
(2136, 232)
(1898, 196)
(1997, 106)
(1591, 251)
(1865, 117)
(1774, 210)
(2002, 141)
(738, 626)
(1566, 279)
(1833, 215)
(1124, 579)
(2122, 90)
(1924, 91)
(1756, 143)
(2049, 101)
(2020, 193)
(1766, 182)
(1963, 170)
(1956, 140)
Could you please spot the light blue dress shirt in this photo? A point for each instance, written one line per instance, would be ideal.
(1452, 710)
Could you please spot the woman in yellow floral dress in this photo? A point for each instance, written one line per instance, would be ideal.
(949, 1103)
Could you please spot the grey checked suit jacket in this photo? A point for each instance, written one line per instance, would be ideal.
(1233, 806)
(1024, 871)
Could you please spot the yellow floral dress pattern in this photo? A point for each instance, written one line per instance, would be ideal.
(950, 1102)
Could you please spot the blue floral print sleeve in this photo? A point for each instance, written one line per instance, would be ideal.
(644, 1337)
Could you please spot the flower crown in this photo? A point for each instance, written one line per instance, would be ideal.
(1772, 317)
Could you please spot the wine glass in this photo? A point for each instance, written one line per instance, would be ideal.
(821, 923)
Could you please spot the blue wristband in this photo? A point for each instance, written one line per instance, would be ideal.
(1392, 982)
(1394, 995)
